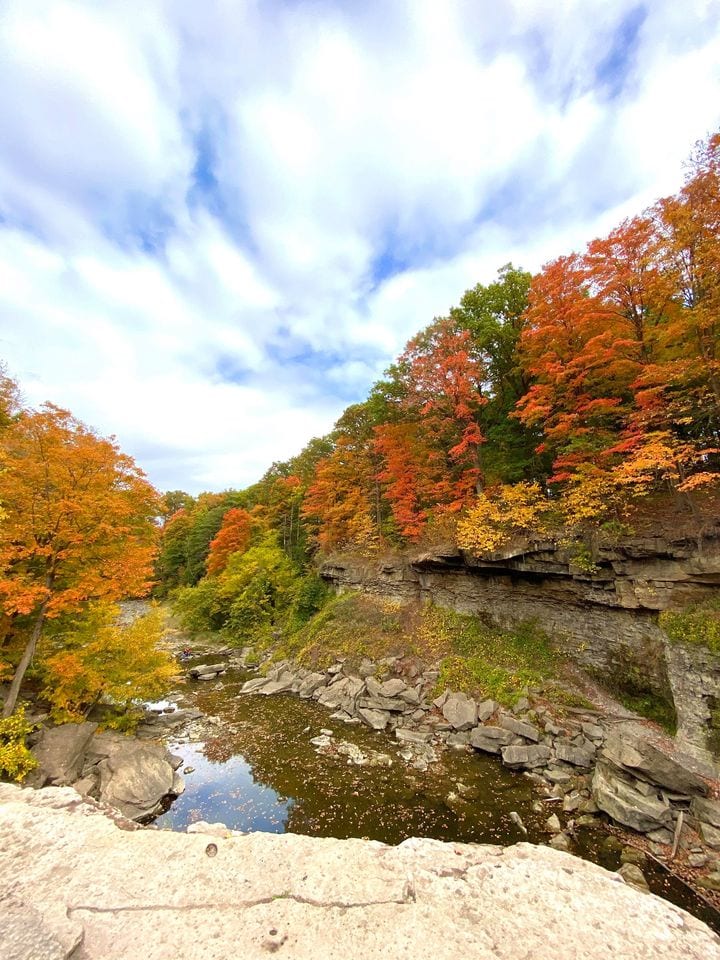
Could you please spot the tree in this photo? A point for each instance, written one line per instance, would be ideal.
(232, 537)
(79, 525)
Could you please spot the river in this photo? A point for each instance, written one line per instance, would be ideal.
(250, 764)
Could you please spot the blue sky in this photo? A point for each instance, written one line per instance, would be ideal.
(220, 221)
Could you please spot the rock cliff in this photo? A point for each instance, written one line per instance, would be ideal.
(74, 885)
(604, 615)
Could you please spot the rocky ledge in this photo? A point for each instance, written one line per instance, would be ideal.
(74, 885)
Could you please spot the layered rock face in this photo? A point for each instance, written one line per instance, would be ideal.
(73, 884)
(606, 620)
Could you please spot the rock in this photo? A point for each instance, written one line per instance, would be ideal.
(25, 934)
(530, 755)
(203, 670)
(522, 704)
(405, 735)
(322, 742)
(633, 855)
(519, 728)
(87, 786)
(490, 739)
(572, 801)
(646, 762)
(593, 731)
(710, 835)
(341, 694)
(706, 810)
(560, 841)
(439, 702)
(383, 703)
(552, 729)
(135, 778)
(661, 836)
(517, 820)
(458, 739)
(284, 685)
(558, 775)
(710, 882)
(60, 753)
(697, 860)
(460, 711)
(410, 695)
(209, 829)
(376, 719)
(633, 875)
(485, 710)
(578, 756)
(392, 688)
(352, 752)
(366, 669)
(616, 796)
(553, 823)
(326, 896)
(254, 685)
(189, 770)
(311, 683)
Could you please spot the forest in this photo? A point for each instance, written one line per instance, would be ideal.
(550, 405)
(547, 405)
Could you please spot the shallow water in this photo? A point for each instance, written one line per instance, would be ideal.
(257, 770)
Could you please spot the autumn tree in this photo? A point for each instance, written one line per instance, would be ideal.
(232, 537)
(79, 525)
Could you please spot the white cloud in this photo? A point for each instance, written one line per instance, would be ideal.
(201, 204)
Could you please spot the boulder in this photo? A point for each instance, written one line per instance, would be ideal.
(136, 778)
(710, 835)
(311, 683)
(485, 710)
(392, 688)
(490, 739)
(520, 728)
(283, 685)
(646, 762)
(633, 875)
(525, 755)
(60, 753)
(254, 685)
(706, 810)
(207, 669)
(393, 705)
(460, 711)
(617, 796)
(572, 753)
(376, 719)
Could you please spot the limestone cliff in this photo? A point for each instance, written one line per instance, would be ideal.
(605, 616)
(74, 885)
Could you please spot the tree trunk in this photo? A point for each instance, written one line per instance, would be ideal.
(27, 656)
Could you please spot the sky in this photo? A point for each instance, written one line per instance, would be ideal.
(221, 220)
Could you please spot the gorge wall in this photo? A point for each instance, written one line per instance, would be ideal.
(605, 618)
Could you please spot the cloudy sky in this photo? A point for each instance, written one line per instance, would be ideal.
(220, 220)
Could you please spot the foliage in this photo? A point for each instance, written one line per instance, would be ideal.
(500, 514)
(250, 597)
(697, 624)
(232, 537)
(79, 526)
(16, 760)
(94, 656)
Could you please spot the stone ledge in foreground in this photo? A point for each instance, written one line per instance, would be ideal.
(95, 892)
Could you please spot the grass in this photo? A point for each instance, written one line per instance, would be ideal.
(473, 657)
(697, 624)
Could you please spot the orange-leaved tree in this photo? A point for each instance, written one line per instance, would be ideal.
(232, 537)
(78, 525)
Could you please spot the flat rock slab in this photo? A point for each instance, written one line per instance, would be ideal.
(148, 894)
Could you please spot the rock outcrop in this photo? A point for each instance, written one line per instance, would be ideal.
(604, 617)
(72, 883)
(131, 775)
